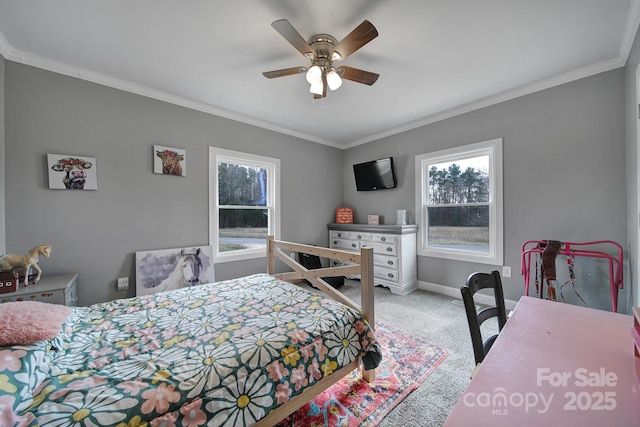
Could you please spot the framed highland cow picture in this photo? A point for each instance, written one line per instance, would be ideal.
(71, 172)
(169, 161)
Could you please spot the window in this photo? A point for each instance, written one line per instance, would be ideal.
(244, 205)
(459, 203)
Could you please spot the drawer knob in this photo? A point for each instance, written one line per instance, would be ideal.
(353, 245)
(335, 242)
(384, 239)
(359, 236)
(390, 262)
(389, 249)
(390, 275)
(339, 234)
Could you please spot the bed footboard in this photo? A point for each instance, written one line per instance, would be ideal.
(361, 263)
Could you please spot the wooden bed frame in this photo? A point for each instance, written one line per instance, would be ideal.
(360, 263)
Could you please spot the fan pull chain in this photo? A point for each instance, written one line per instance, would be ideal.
(321, 102)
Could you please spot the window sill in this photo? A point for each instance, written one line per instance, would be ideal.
(462, 256)
(239, 256)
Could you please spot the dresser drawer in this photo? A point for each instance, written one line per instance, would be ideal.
(50, 296)
(346, 245)
(360, 236)
(383, 273)
(339, 234)
(390, 262)
(384, 238)
(382, 248)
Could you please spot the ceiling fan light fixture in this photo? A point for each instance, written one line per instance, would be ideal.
(317, 87)
(322, 50)
(333, 80)
(314, 74)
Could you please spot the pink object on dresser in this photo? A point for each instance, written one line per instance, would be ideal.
(555, 364)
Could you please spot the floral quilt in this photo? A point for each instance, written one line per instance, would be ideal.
(220, 354)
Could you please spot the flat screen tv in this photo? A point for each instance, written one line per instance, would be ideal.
(375, 175)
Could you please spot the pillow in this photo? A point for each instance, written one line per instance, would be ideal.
(25, 322)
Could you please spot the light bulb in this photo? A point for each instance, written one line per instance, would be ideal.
(317, 87)
(314, 74)
(333, 80)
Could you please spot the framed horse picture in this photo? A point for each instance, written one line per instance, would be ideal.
(167, 269)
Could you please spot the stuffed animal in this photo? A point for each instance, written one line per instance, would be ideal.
(9, 261)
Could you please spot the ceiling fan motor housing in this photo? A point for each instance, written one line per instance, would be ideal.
(322, 44)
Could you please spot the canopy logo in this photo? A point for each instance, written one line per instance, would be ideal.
(580, 389)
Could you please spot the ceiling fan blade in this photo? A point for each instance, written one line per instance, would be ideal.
(291, 35)
(356, 75)
(284, 72)
(357, 38)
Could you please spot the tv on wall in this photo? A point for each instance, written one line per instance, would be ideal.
(375, 175)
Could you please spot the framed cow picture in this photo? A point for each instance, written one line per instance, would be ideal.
(169, 161)
(70, 172)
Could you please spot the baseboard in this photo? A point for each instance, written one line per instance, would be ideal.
(455, 293)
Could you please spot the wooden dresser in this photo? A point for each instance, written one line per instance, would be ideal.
(394, 252)
(52, 289)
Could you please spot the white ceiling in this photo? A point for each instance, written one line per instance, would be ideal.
(435, 58)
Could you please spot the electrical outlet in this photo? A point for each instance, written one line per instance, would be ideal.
(506, 271)
(123, 283)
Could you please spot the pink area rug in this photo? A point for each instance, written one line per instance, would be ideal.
(407, 362)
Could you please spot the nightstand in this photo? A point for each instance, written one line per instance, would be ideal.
(53, 289)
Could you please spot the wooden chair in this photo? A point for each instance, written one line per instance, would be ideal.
(475, 282)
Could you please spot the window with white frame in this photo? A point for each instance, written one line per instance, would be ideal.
(244, 204)
(459, 203)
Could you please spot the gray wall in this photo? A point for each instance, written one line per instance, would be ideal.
(564, 171)
(633, 216)
(96, 233)
(564, 156)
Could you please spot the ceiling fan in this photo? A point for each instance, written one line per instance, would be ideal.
(323, 50)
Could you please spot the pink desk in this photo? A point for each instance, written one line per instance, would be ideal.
(555, 364)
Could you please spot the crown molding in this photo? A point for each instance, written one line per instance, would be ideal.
(57, 67)
(83, 74)
(5, 48)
